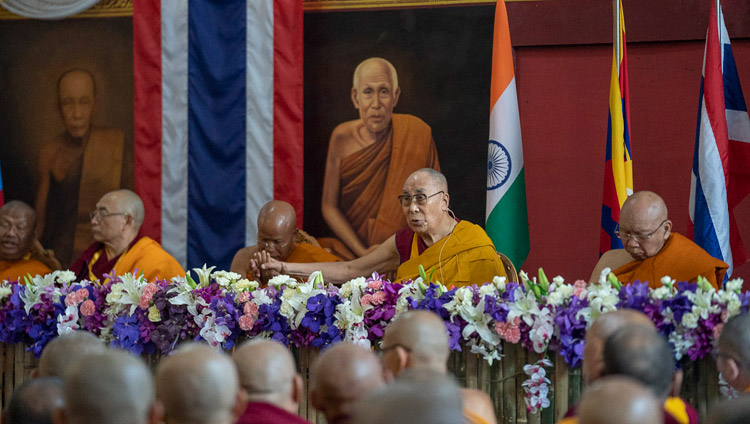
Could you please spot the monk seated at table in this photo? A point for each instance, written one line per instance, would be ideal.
(279, 236)
(456, 253)
(18, 244)
(119, 248)
(652, 250)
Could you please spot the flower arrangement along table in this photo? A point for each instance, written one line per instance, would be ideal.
(546, 317)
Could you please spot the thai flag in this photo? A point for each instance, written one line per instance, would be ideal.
(618, 164)
(218, 120)
(721, 162)
(2, 195)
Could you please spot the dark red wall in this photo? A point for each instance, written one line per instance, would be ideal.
(562, 71)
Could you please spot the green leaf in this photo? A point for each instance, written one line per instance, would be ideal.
(190, 281)
(543, 281)
(612, 278)
(422, 273)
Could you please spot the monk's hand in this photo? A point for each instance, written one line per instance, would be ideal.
(255, 270)
(269, 267)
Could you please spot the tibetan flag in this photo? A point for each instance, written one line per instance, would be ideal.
(720, 178)
(507, 220)
(218, 120)
(618, 163)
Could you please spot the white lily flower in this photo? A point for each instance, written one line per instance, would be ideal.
(204, 275)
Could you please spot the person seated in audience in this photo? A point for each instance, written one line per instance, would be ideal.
(733, 353)
(269, 377)
(619, 400)
(63, 350)
(731, 411)
(119, 248)
(420, 395)
(35, 401)
(279, 236)
(419, 339)
(592, 368)
(111, 387)
(652, 250)
(339, 377)
(458, 252)
(17, 238)
(199, 385)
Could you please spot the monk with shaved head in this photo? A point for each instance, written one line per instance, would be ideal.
(63, 350)
(111, 387)
(627, 402)
(199, 385)
(280, 238)
(17, 237)
(733, 356)
(455, 252)
(368, 160)
(340, 376)
(652, 250)
(119, 247)
(419, 339)
(270, 380)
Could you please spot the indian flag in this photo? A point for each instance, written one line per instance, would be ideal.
(507, 220)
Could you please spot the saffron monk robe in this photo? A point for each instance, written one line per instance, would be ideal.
(368, 160)
(119, 249)
(653, 251)
(17, 241)
(279, 236)
(459, 253)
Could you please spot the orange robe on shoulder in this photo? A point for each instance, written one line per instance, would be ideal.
(17, 270)
(681, 259)
(464, 257)
(307, 253)
(471, 418)
(372, 178)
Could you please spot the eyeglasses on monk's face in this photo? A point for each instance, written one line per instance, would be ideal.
(420, 198)
(103, 213)
(640, 238)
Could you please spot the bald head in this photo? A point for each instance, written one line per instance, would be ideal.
(66, 349)
(76, 94)
(277, 224)
(420, 396)
(732, 411)
(603, 327)
(416, 338)
(341, 375)
(646, 204)
(268, 373)
(35, 401)
(434, 177)
(643, 354)
(197, 385)
(375, 63)
(111, 387)
(626, 400)
(17, 230)
(129, 202)
(644, 226)
(733, 359)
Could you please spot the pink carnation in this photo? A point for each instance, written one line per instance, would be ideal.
(580, 289)
(87, 308)
(366, 299)
(82, 294)
(246, 322)
(378, 298)
(243, 297)
(250, 308)
(508, 331)
(71, 300)
(148, 292)
(375, 285)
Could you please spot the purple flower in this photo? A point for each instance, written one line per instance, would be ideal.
(126, 334)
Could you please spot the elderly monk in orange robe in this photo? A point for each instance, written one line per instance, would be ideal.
(368, 160)
(459, 253)
(419, 339)
(17, 237)
(278, 235)
(119, 248)
(652, 250)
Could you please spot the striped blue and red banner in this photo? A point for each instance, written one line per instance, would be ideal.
(218, 120)
(720, 177)
(618, 164)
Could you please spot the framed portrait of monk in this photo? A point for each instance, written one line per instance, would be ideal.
(67, 127)
(388, 92)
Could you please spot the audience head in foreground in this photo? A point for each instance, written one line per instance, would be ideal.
(35, 401)
(733, 356)
(63, 350)
(340, 376)
(420, 396)
(198, 385)
(619, 400)
(269, 377)
(643, 354)
(604, 326)
(111, 387)
(732, 411)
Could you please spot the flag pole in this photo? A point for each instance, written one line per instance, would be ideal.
(616, 6)
(717, 4)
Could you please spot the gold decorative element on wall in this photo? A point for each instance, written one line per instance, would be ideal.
(103, 9)
(318, 5)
